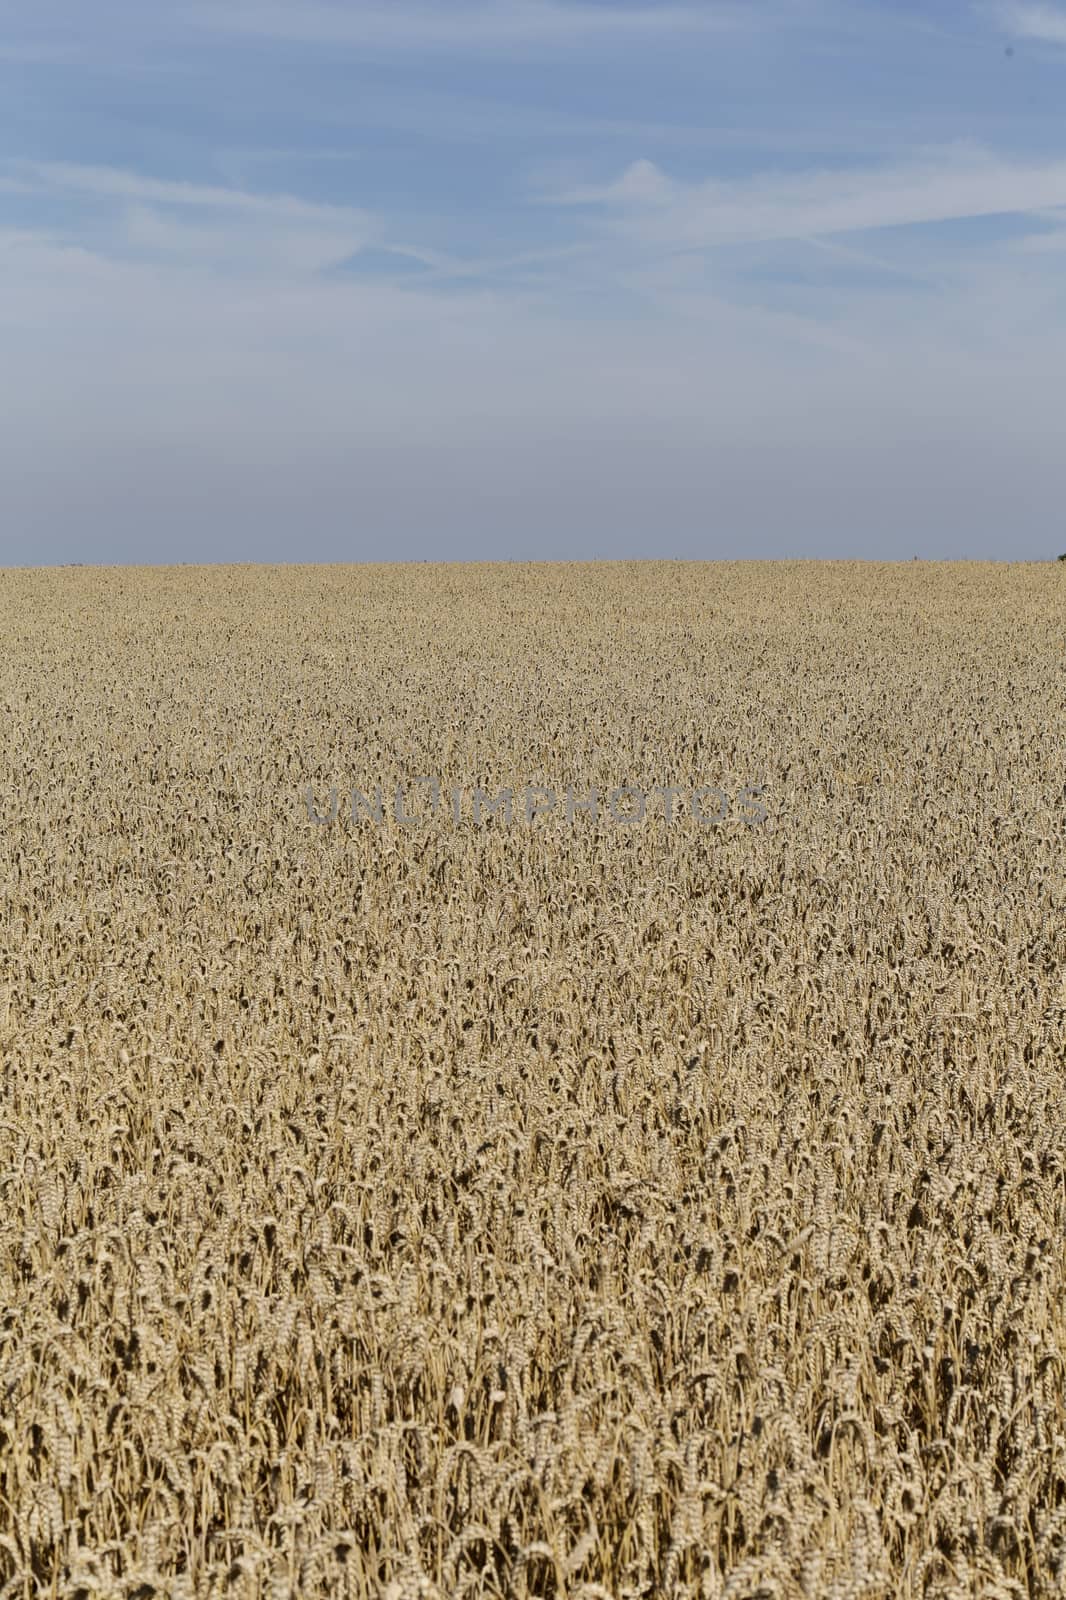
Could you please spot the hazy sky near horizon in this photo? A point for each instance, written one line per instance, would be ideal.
(344, 280)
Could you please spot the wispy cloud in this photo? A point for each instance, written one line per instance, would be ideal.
(396, 289)
(1041, 22)
(213, 225)
(1038, 244)
(950, 185)
(502, 25)
(863, 258)
(116, 183)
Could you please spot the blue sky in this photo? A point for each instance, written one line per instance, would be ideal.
(345, 280)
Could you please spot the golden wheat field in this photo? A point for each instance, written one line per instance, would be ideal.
(551, 1206)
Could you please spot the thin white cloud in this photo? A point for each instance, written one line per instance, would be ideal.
(502, 25)
(253, 246)
(863, 258)
(950, 185)
(223, 411)
(211, 226)
(116, 183)
(1038, 244)
(1044, 23)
